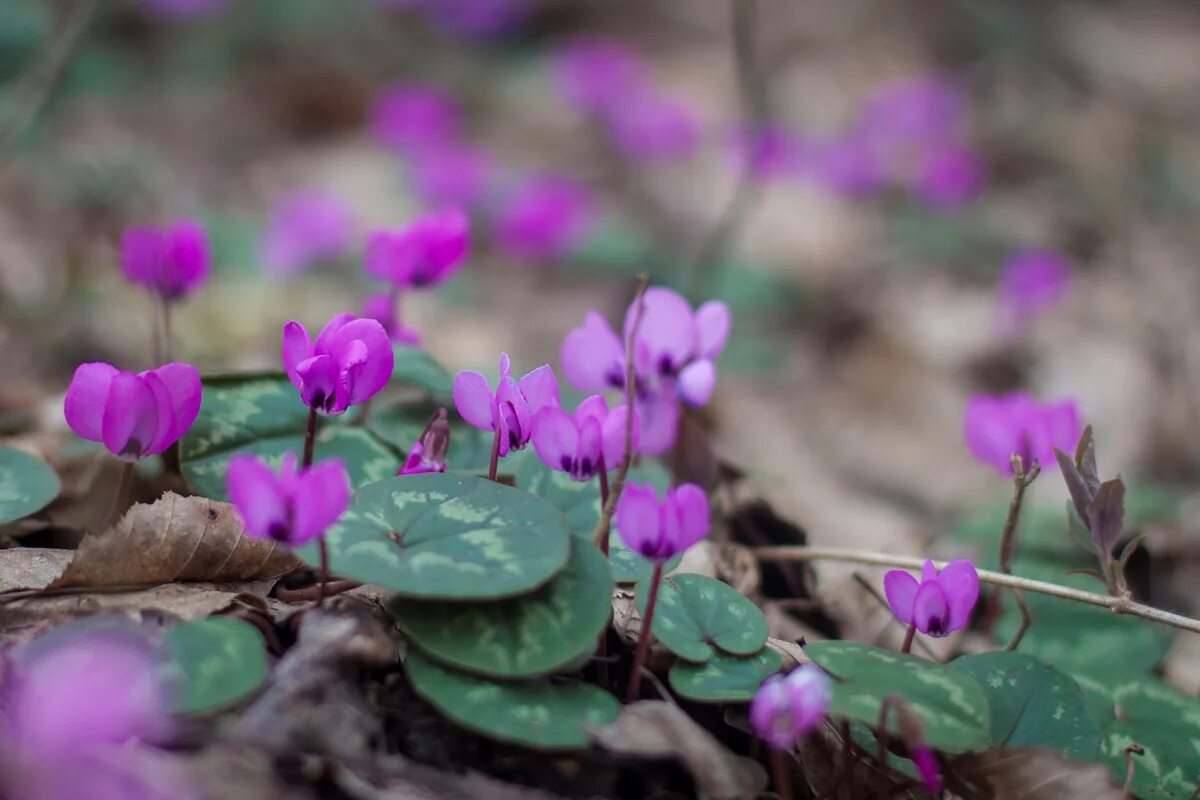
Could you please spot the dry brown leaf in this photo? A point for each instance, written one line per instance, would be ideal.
(1028, 773)
(653, 729)
(174, 540)
(31, 567)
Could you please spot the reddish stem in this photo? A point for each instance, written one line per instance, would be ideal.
(494, 464)
(908, 638)
(120, 495)
(639, 659)
(603, 500)
(310, 439)
(780, 774)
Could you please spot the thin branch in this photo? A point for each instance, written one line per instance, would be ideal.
(1118, 605)
(1008, 540)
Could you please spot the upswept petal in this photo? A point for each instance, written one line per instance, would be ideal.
(659, 418)
(297, 346)
(322, 497)
(142, 254)
(712, 328)
(931, 609)
(593, 406)
(900, 588)
(960, 582)
(335, 324)
(555, 438)
(589, 450)
(539, 388)
(989, 433)
(130, 417)
(689, 505)
(637, 520)
(696, 382)
(613, 436)
(183, 392)
(87, 397)
(474, 400)
(668, 328)
(771, 713)
(363, 344)
(257, 495)
(592, 356)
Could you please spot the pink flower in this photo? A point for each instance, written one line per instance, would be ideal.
(350, 362)
(511, 408)
(996, 428)
(411, 118)
(134, 415)
(576, 443)
(649, 126)
(544, 219)
(786, 708)
(292, 507)
(381, 307)
(452, 174)
(426, 252)
(1033, 281)
(171, 262)
(949, 176)
(927, 765)
(660, 530)
(909, 114)
(941, 603)
(596, 75)
(306, 228)
(428, 453)
(767, 152)
(846, 166)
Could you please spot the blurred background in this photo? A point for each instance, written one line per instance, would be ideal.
(903, 203)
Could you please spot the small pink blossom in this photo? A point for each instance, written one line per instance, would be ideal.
(596, 75)
(996, 428)
(413, 118)
(511, 408)
(949, 176)
(786, 708)
(650, 126)
(1033, 282)
(172, 262)
(292, 506)
(659, 530)
(578, 444)
(381, 307)
(544, 219)
(306, 227)
(428, 453)
(452, 174)
(349, 363)
(426, 252)
(940, 603)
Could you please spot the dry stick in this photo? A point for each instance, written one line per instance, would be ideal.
(1130, 751)
(1118, 605)
(644, 636)
(780, 774)
(1008, 542)
(120, 495)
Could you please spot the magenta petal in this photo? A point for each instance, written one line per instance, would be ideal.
(590, 449)
(637, 520)
(668, 328)
(613, 436)
(142, 256)
(297, 346)
(771, 713)
(181, 382)
(927, 764)
(989, 432)
(696, 382)
(1062, 426)
(810, 695)
(593, 357)
(474, 400)
(187, 256)
(960, 581)
(540, 388)
(514, 409)
(659, 417)
(322, 496)
(712, 328)
(690, 506)
(130, 416)
(900, 587)
(931, 609)
(592, 407)
(335, 324)
(258, 497)
(364, 344)
(928, 571)
(555, 438)
(86, 398)
(319, 383)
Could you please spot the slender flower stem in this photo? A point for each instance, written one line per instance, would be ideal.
(494, 464)
(1008, 543)
(321, 584)
(120, 495)
(644, 638)
(881, 733)
(909, 635)
(168, 345)
(1118, 605)
(310, 439)
(781, 775)
(603, 500)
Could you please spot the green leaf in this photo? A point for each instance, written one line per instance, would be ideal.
(628, 566)
(724, 678)
(415, 367)
(695, 612)
(534, 634)
(539, 713)
(400, 425)
(444, 536)
(27, 484)
(217, 662)
(262, 415)
(951, 705)
(1033, 704)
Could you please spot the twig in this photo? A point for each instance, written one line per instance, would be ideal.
(604, 524)
(1008, 541)
(1118, 605)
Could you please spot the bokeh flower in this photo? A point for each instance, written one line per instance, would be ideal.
(292, 506)
(426, 252)
(940, 603)
(381, 307)
(508, 411)
(786, 708)
(412, 118)
(452, 174)
(596, 75)
(576, 443)
(306, 227)
(996, 428)
(1032, 282)
(544, 219)
(651, 126)
(659, 530)
(767, 152)
(349, 363)
(171, 262)
(949, 176)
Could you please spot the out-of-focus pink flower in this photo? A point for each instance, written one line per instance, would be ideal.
(426, 252)
(1033, 281)
(306, 228)
(996, 428)
(511, 408)
(292, 507)
(575, 444)
(650, 126)
(786, 708)
(184, 9)
(350, 362)
(940, 603)
(596, 75)
(927, 765)
(845, 166)
(768, 152)
(913, 113)
(544, 219)
(172, 262)
(414, 117)
(452, 174)
(428, 453)
(659, 530)
(134, 415)
(949, 176)
(381, 307)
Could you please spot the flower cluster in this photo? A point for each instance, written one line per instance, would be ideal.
(997, 428)
(786, 708)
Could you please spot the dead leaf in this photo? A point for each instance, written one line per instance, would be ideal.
(174, 540)
(793, 654)
(1028, 773)
(31, 567)
(654, 730)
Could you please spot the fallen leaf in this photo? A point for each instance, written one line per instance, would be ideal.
(31, 567)
(654, 730)
(1029, 773)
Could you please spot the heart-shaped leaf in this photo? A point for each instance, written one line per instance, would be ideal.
(1033, 704)
(540, 713)
(951, 705)
(415, 367)
(533, 634)
(695, 612)
(27, 484)
(724, 678)
(263, 415)
(401, 425)
(215, 662)
(447, 537)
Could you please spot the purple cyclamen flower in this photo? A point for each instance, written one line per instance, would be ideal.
(1032, 282)
(292, 507)
(134, 415)
(575, 444)
(428, 453)
(511, 408)
(909, 114)
(996, 428)
(650, 126)
(941, 603)
(426, 252)
(768, 152)
(172, 262)
(306, 228)
(659, 530)
(412, 118)
(596, 75)
(786, 708)
(544, 219)
(948, 176)
(381, 307)
(845, 166)
(350, 362)
(452, 174)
